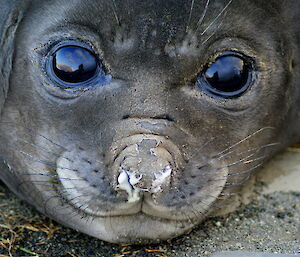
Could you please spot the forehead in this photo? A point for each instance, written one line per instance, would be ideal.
(167, 18)
(163, 35)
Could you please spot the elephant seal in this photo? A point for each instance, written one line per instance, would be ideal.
(132, 121)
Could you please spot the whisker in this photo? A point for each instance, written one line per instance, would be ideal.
(50, 164)
(256, 159)
(201, 148)
(62, 189)
(190, 15)
(52, 176)
(216, 18)
(34, 133)
(44, 149)
(230, 164)
(114, 8)
(237, 183)
(244, 139)
(199, 23)
(212, 34)
(246, 171)
(77, 197)
(256, 149)
(241, 161)
(51, 141)
(46, 202)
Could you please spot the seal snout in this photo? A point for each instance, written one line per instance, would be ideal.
(146, 165)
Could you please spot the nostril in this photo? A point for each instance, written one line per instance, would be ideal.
(125, 117)
(163, 117)
(157, 117)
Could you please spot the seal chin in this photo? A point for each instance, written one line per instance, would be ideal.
(139, 229)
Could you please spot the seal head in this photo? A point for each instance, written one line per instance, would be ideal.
(132, 121)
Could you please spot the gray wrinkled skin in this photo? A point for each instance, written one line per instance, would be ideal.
(183, 151)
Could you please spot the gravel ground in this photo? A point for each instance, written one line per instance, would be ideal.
(270, 223)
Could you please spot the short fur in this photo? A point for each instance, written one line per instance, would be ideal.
(62, 149)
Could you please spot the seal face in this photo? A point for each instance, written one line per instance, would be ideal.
(133, 120)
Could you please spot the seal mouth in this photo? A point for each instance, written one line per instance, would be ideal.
(141, 173)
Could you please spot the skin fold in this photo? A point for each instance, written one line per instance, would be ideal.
(145, 153)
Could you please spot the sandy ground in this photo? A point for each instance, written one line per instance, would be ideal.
(270, 223)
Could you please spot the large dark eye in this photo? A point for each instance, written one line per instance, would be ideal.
(228, 76)
(74, 66)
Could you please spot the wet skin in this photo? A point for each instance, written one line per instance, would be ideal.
(132, 121)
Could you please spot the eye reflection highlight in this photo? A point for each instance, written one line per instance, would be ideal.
(227, 73)
(74, 64)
